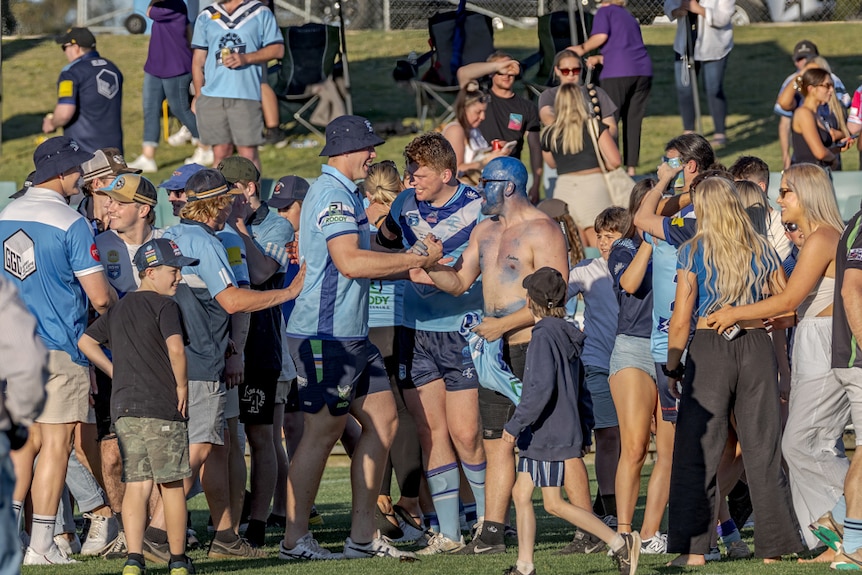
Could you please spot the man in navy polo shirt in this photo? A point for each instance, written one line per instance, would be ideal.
(89, 95)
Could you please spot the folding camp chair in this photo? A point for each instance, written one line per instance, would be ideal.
(474, 33)
(310, 53)
(555, 34)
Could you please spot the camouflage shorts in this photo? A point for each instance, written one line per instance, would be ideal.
(153, 449)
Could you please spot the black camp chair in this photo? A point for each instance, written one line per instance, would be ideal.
(476, 34)
(310, 53)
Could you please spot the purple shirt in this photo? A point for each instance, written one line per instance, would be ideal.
(169, 54)
(624, 51)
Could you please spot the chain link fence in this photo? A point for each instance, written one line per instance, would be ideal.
(414, 14)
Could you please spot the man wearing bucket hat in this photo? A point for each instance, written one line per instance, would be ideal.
(331, 314)
(51, 258)
(207, 297)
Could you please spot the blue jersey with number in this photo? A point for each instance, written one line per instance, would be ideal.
(249, 28)
(426, 307)
(330, 305)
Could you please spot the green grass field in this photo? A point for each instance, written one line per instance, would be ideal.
(334, 504)
(758, 64)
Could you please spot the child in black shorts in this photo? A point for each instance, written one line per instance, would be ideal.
(548, 426)
(144, 332)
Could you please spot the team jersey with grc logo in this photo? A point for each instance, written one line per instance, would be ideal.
(677, 230)
(47, 246)
(205, 320)
(94, 86)
(330, 305)
(427, 308)
(251, 27)
(846, 350)
(118, 260)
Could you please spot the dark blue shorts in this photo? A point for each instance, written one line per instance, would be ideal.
(425, 356)
(332, 373)
(668, 402)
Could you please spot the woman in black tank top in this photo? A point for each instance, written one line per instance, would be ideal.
(812, 141)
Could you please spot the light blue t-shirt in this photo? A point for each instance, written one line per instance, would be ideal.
(236, 255)
(330, 305)
(385, 298)
(271, 234)
(426, 307)
(47, 246)
(251, 27)
(593, 279)
(664, 258)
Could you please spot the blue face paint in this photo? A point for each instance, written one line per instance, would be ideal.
(493, 192)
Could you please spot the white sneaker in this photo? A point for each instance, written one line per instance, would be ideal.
(655, 545)
(379, 547)
(180, 137)
(307, 547)
(439, 544)
(53, 557)
(103, 532)
(72, 547)
(145, 164)
(202, 156)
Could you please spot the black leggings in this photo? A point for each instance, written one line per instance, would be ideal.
(724, 377)
(630, 94)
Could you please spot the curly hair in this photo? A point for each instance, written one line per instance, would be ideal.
(205, 210)
(432, 150)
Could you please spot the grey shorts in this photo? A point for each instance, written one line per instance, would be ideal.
(851, 380)
(231, 406)
(206, 412)
(630, 351)
(229, 121)
(155, 449)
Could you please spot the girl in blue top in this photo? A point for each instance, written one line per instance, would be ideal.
(728, 373)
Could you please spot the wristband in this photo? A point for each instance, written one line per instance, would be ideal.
(676, 373)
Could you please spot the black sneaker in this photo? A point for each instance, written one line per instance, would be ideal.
(583, 542)
(239, 549)
(276, 521)
(627, 556)
(479, 547)
(156, 552)
(274, 137)
(739, 504)
(513, 570)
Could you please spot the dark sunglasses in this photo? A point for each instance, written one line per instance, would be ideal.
(483, 182)
(791, 227)
(569, 71)
(783, 192)
(827, 85)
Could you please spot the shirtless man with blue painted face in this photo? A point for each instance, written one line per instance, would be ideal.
(514, 242)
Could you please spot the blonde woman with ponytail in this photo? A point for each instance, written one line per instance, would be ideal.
(727, 262)
(819, 408)
(568, 147)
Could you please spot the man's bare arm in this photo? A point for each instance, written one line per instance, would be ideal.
(98, 290)
(457, 279)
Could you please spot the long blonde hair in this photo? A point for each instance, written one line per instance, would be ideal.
(566, 134)
(383, 183)
(813, 189)
(736, 258)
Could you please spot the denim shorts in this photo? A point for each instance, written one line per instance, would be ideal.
(604, 412)
(206, 412)
(630, 351)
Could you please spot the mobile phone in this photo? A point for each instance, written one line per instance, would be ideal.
(730, 333)
(852, 137)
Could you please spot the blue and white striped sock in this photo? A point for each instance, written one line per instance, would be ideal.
(443, 482)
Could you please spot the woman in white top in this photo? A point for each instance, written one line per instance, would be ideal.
(471, 149)
(704, 39)
(819, 408)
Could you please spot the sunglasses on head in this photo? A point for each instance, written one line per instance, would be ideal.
(791, 227)
(569, 71)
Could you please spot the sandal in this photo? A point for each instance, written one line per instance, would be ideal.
(407, 517)
(386, 527)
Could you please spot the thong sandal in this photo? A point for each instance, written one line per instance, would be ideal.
(407, 517)
(386, 527)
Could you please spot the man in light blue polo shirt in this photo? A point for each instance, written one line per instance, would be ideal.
(231, 40)
(332, 312)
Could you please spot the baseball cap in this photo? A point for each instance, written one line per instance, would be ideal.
(180, 177)
(207, 184)
(347, 134)
(80, 36)
(56, 156)
(546, 287)
(237, 168)
(129, 188)
(161, 252)
(107, 162)
(805, 49)
(287, 190)
(27, 183)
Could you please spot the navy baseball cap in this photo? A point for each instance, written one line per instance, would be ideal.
(207, 184)
(27, 183)
(289, 189)
(347, 134)
(57, 156)
(161, 252)
(181, 175)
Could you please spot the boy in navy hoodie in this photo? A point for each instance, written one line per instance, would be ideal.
(548, 424)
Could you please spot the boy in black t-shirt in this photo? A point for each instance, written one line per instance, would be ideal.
(144, 332)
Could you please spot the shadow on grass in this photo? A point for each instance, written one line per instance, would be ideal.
(22, 126)
(12, 48)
